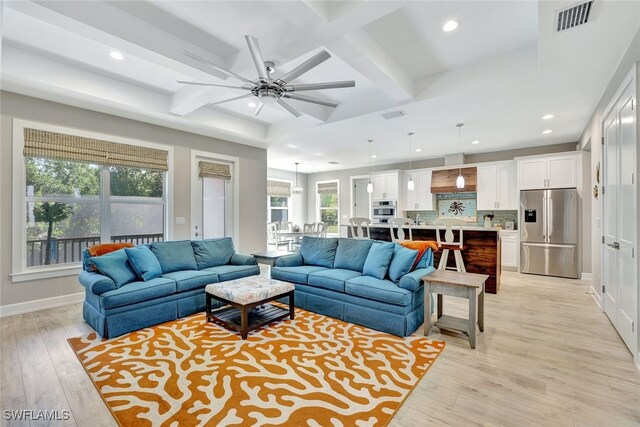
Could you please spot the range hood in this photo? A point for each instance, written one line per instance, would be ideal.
(444, 181)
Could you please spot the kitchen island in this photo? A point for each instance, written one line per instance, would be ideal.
(481, 254)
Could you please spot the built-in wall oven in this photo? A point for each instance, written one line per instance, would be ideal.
(383, 210)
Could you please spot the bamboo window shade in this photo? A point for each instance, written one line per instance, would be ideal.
(327, 187)
(59, 146)
(214, 170)
(278, 189)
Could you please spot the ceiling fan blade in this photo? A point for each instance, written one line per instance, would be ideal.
(320, 86)
(257, 109)
(211, 84)
(310, 63)
(231, 99)
(217, 68)
(289, 108)
(256, 55)
(313, 100)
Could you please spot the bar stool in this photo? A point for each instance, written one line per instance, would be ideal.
(449, 243)
(359, 227)
(400, 222)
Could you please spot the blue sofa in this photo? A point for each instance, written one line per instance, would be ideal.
(114, 308)
(349, 279)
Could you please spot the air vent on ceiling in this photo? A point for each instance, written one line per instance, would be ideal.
(333, 162)
(573, 16)
(394, 115)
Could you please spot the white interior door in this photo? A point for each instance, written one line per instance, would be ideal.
(610, 229)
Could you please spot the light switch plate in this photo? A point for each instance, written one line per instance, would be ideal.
(180, 220)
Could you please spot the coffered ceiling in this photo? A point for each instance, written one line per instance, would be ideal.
(499, 72)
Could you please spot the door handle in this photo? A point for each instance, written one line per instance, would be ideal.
(614, 245)
(197, 234)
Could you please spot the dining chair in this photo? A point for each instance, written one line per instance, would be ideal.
(447, 224)
(321, 229)
(309, 229)
(359, 227)
(273, 239)
(286, 226)
(400, 223)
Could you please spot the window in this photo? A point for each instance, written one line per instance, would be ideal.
(72, 189)
(328, 203)
(278, 200)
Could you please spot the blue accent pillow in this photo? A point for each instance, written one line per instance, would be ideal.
(213, 252)
(402, 262)
(378, 260)
(426, 260)
(115, 265)
(174, 256)
(319, 251)
(352, 254)
(144, 262)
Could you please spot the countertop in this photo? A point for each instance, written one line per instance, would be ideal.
(433, 227)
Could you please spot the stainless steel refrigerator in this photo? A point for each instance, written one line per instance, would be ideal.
(549, 232)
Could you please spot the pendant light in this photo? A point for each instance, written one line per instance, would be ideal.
(370, 185)
(460, 180)
(410, 185)
(296, 188)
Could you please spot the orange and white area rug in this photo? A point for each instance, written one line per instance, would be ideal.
(312, 371)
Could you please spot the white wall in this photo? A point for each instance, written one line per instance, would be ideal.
(252, 181)
(298, 201)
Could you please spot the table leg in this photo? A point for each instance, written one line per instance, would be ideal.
(208, 307)
(244, 322)
(291, 306)
(481, 309)
(427, 308)
(473, 307)
(439, 312)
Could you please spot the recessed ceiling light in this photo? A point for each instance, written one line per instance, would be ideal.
(546, 132)
(450, 25)
(547, 117)
(374, 156)
(418, 150)
(117, 55)
(252, 104)
(292, 146)
(475, 142)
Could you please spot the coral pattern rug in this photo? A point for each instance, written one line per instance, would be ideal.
(312, 371)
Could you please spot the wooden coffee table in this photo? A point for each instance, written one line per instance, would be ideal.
(241, 297)
(456, 284)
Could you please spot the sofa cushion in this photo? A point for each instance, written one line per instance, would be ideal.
(115, 265)
(401, 262)
(378, 260)
(331, 279)
(187, 280)
(378, 290)
(136, 292)
(232, 272)
(351, 254)
(320, 251)
(295, 274)
(144, 263)
(174, 256)
(212, 252)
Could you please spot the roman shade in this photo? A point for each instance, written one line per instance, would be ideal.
(328, 187)
(59, 146)
(278, 189)
(214, 170)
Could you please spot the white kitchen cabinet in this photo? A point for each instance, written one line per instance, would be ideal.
(557, 171)
(421, 198)
(385, 186)
(497, 188)
(510, 242)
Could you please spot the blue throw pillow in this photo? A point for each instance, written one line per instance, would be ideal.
(426, 260)
(319, 251)
(174, 256)
(378, 260)
(213, 252)
(116, 266)
(352, 253)
(402, 262)
(144, 262)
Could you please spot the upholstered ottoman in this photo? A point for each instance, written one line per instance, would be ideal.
(241, 298)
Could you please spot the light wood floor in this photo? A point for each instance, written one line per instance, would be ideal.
(548, 356)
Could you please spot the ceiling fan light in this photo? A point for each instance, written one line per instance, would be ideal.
(460, 181)
(369, 187)
(410, 185)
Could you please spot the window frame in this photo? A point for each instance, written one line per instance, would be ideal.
(319, 208)
(289, 201)
(19, 270)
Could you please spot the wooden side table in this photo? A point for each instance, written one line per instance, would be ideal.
(269, 257)
(455, 284)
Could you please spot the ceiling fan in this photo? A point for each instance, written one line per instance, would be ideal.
(270, 91)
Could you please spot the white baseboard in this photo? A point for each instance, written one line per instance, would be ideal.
(596, 297)
(40, 304)
(586, 276)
